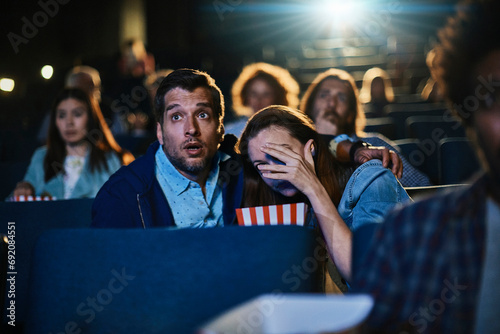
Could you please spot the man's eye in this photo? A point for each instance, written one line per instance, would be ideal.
(176, 117)
(203, 115)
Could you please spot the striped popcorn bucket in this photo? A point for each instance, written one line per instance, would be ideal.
(286, 214)
(23, 198)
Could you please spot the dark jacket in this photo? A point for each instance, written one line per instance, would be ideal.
(132, 197)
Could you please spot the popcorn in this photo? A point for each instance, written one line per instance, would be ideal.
(23, 198)
(285, 214)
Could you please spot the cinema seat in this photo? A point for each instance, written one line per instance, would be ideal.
(361, 241)
(30, 220)
(458, 161)
(162, 280)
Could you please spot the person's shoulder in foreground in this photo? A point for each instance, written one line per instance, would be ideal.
(424, 263)
(432, 267)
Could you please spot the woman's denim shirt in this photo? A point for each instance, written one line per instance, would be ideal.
(371, 192)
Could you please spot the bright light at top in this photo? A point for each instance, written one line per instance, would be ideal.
(47, 72)
(7, 85)
(338, 12)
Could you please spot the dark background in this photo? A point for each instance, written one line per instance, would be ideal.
(181, 33)
(218, 36)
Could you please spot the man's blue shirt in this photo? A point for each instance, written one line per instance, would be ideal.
(190, 207)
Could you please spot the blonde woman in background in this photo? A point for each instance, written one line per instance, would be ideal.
(376, 92)
(260, 85)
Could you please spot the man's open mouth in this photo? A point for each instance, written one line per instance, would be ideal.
(193, 148)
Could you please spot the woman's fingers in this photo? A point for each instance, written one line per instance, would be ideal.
(280, 152)
(273, 168)
(24, 188)
(273, 173)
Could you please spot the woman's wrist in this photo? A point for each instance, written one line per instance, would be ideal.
(316, 193)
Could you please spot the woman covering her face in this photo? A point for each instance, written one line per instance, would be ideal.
(80, 154)
(286, 161)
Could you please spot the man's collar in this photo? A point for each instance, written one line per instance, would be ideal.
(177, 181)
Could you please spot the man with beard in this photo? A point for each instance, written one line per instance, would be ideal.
(332, 102)
(190, 177)
(433, 266)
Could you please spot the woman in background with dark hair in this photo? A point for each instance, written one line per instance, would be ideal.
(80, 154)
(286, 161)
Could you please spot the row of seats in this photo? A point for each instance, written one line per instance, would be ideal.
(446, 161)
(30, 220)
(418, 127)
(424, 132)
(143, 281)
(157, 280)
(430, 138)
(420, 121)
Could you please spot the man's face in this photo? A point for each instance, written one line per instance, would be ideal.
(190, 133)
(331, 108)
(487, 118)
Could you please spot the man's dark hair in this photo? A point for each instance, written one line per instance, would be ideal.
(466, 39)
(189, 80)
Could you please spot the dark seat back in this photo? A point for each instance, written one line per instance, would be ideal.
(401, 112)
(162, 280)
(362, 238)
(382, 125)
(457, 160)
(433, 128)
(30, 219)
(12, 172)
(417, 193)
(4, 256)
(421, 155)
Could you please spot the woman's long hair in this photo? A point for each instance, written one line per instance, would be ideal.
(355, 108)
(99, 138)
(331, 173)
